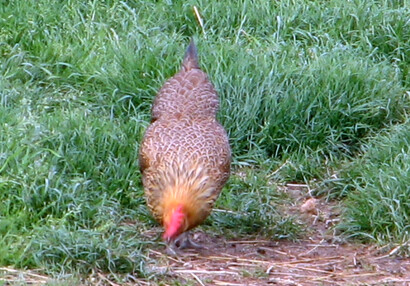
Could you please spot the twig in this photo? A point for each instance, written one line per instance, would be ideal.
(239, 259)
(278, 169)
(155, 252)
(223, 283)
(360, 274)
(297, 267)
(27, 273)
(307, 269)
(199, 19)
(297, 185)
(26, 281)
(323, 245)
(293, 274)
(392, 252)
(247, 241)
(314, 248)
(107, 280)
(225, 211)
(332, 263)
(197, 279)
(312, 260)
(215, 272)
(284, 281)
(280, 252)
(169, 257)
(270, 263)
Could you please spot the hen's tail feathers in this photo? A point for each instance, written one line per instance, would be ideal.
(191, 57)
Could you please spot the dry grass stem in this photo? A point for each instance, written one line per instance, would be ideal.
(199, 19)
(197, 279)
(212, 272)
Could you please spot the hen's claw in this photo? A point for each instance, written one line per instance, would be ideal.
(185, 241)
(182, 242)
(171, 251)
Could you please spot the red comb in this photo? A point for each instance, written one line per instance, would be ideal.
(175, 224)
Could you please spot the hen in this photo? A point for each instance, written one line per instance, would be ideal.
(185, 155)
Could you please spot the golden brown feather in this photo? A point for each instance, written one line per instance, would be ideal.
(185, 154)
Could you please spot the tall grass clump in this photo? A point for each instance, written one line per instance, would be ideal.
(290, 109)
(256, 211)
(377, 189)
(307, 84)
(68, 182)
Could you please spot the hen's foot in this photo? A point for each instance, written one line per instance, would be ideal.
(184, 241)
(174, 248)
(171, 250)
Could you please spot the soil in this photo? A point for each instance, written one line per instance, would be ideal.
(321, 258)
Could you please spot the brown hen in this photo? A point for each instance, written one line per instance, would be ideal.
(185, 155)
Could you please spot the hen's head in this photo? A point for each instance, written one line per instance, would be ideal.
(174, 223)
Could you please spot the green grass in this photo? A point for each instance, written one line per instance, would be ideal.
(377, 189)
(254, 210)
(309, 89)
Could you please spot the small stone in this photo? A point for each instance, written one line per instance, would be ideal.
(261, 251)
(310, 206)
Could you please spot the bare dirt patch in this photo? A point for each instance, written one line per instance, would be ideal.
(321, 258)
(261, 262)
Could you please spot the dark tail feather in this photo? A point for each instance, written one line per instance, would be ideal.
(191, 57)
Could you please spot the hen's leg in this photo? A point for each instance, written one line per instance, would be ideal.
(184, 241)
(172, 249)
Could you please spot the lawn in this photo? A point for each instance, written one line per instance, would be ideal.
(312, 92)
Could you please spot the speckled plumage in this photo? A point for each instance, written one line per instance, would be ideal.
(185, 154)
